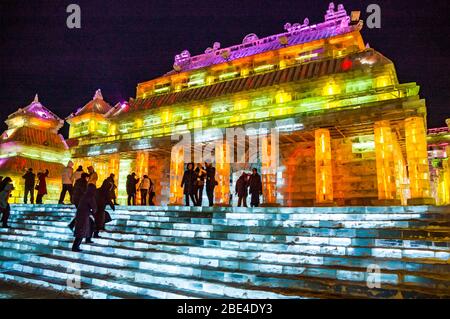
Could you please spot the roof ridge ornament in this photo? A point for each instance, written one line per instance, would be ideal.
(98, 95)
(36, 98)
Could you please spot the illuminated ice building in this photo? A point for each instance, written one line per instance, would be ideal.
(347, 129)
(332, 126)
(32, 141)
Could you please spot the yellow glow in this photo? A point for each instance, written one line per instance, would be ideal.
(210, 80)
(222, 191)
(384, 150)
(245, 72)
(240, 105)
(176, 175)
(324, 178)
(416, 150)
(283, 97)
(383, 81)
(331, 89)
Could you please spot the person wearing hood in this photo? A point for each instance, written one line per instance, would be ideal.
(255, 185)
(84, 219)
(67, 182)
(103, 198)
(6, 187)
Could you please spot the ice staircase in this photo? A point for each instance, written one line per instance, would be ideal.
(181, 252)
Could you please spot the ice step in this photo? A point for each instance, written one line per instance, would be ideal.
(391, 259)
(88, 291)
(222, 225)
(345, 236)
(331, 244)
(177, 265)
(313, 252)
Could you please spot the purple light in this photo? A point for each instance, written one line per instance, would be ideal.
(336, 22)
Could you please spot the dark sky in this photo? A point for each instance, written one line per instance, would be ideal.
(122, 43)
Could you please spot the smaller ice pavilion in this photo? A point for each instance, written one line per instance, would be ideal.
(32, 141)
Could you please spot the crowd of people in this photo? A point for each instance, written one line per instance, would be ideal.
(91, 202)
(196, 179)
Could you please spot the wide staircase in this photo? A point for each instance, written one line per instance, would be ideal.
(180, 252)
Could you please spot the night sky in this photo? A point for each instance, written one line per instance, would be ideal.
(122, 43)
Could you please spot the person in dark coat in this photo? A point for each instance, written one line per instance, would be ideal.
(80, 188)
(188, 184)
(84, 219)
(255, 185)
(103, 198)
(6, 187)
(199, 184)
(42, 186)
(30, 181)
(132, 181)
(211, 182)
(241, 189)
(78, 191)
(111, 179)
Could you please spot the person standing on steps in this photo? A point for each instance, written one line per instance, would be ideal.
(84, 219)
(93, 177)
(144, 188)
(67, 182)
(6, 187)
(77, 174)
(241, 189)
(255, 184)
(30, 181)
(103, 198)
(188, 184)
(199, 183)
(211, 182)
(151, 193)
(132, 182)
(42, 186)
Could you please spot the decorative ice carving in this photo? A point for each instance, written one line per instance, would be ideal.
(183, 57)
(297, 26)
(250, 38)
(216, 46)
(98, 95)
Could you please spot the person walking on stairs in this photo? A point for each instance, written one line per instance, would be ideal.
(6, 187)
(30, 181)
(67, 182)
(84, 219)
(103, 199)
(111, 179)
(78, 191)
